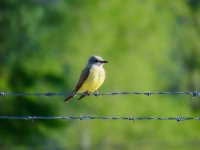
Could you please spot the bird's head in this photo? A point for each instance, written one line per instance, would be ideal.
(97, 60)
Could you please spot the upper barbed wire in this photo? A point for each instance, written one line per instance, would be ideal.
(193, 93)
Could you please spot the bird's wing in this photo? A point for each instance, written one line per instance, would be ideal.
(84, 74)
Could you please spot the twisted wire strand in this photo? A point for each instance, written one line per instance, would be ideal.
(177, 118)
(193, 93)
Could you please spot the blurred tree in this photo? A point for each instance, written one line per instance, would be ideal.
(189, 46)
(151, 45)
(22, 33)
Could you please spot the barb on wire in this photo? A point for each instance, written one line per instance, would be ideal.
(177, 118)
(193, 93)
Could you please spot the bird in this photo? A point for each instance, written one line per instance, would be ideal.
(91, 78)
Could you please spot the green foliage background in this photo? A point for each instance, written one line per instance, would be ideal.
(150, 46)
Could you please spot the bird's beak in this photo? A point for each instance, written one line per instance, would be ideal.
(104, 61)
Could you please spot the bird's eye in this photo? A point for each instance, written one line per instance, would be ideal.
(96, 60)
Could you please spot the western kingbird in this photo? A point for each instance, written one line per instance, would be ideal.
(91, 78)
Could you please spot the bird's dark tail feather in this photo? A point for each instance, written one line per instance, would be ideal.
(70, 97)
(81, 97)
(85, 94)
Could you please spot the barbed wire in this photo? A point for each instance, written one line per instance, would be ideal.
(177, 118)
(193, 93)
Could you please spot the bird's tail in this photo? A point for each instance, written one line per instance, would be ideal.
(81, 97)
(84, 94)
(70, 97)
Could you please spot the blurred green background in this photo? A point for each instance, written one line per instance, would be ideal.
(151, 45)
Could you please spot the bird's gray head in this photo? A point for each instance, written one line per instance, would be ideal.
(97, 60)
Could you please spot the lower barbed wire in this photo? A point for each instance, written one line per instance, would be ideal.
(130, 118)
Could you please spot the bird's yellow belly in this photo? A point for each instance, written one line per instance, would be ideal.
(94, 80)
